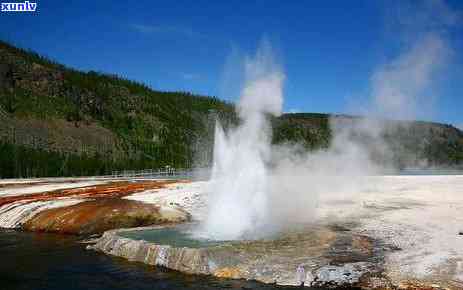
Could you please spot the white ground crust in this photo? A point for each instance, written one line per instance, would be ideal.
(39, 187)
(428, 233)
(15, 214)
(422, 215)
(190, 196)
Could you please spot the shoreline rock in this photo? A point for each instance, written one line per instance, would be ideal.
(263, 261)
(240, 260)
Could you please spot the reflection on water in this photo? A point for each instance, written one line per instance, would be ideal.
(46, 261)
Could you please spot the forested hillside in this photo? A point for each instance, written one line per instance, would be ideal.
(92, 123)
(57, 121)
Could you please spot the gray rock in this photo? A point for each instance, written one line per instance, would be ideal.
(346, 274)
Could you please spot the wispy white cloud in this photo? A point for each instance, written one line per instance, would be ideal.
(415, 18)
(189, 76)
(164, 29)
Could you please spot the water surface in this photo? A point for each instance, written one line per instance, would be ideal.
(47, 261)
(178, 236)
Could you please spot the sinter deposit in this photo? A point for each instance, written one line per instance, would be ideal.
(396, 227)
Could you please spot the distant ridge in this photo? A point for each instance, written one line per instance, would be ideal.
(58, 121)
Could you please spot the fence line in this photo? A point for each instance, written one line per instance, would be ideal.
(168, 171)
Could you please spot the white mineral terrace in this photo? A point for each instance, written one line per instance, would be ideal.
(28, 186)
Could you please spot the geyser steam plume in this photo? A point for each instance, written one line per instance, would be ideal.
(248, 201)
(238, 203)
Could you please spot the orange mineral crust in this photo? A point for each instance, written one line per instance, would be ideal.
(96, 216)
(112, 189)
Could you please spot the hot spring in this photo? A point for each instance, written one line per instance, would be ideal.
(238, 205)
(177, 236)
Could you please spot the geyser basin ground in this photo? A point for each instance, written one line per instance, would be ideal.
(407, 227)
(417, 219)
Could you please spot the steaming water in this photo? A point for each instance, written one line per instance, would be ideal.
(242, 192)
(178, 236)
(238, 205)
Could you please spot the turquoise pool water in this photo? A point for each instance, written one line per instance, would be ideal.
(178, 236)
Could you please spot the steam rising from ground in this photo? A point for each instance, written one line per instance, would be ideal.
(400, 87)
(240, 180)
(258, 189)
(404, 86)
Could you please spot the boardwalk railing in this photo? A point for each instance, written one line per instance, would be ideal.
(147, 173)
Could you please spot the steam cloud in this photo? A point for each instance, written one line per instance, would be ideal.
(240, 177)
(251, 198)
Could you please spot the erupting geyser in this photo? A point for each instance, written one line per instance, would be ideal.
(238, 204)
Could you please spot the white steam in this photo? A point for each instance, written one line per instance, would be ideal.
(404, 87)
(239, 186)
(401, 87)
(258, 189)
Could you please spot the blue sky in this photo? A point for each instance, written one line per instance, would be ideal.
(329, 49)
